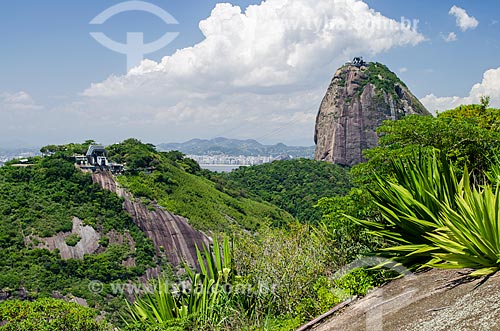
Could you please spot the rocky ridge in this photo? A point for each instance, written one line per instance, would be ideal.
(171, 234)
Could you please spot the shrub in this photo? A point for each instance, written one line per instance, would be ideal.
(72, 239)
(48, 315)
(104, 241)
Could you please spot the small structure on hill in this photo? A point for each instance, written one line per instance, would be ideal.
(358, 61)
(97, 158)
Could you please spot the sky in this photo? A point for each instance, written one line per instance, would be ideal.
(237, 69)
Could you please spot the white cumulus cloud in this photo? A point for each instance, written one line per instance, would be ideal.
(17, 101)
(452, 36)
(261, 69)
(489, 86)
(464, 21)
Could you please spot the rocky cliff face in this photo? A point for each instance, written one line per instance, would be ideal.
(171, 234)
(357, 101)
(88, 244)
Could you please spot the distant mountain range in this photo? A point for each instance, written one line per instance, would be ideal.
(237, 147)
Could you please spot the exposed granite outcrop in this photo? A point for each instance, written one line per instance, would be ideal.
(88, 243)
(357, 101)
(436, 300)
(171, 234)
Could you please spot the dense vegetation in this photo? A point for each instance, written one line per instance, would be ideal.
(294, 262)
(273, 284)
(428, 195)
(382, 78)
(49, 315)
(428, 184)
(294, 185)
(176, 183)
(39, 201)
(467, 135)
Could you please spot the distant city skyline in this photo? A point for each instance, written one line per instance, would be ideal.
(241, 69)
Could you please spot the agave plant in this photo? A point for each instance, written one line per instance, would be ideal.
(219, 263)
(411, 206)
(156, 307)
(208, 294)
(434, 220)
(201, 301)
(470, 237)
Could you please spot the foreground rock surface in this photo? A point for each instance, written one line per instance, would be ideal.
(356, 103)
(436, 300)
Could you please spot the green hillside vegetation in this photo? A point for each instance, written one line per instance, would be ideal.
(273, 283)
(293, 185)
(59, 192)
(39, 201)
(177, 183)
(49, 315)
(467, 135)
(382, 78)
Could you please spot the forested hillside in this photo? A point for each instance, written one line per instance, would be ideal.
(294, 185)
(177, 183)
(39, 200)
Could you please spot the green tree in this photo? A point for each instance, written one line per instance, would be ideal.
(485, 102)
(466, 135)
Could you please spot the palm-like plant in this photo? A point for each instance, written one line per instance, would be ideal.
(156, 307)
(201, 301)
(470, 237)
(434, 220)
(411, 205)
